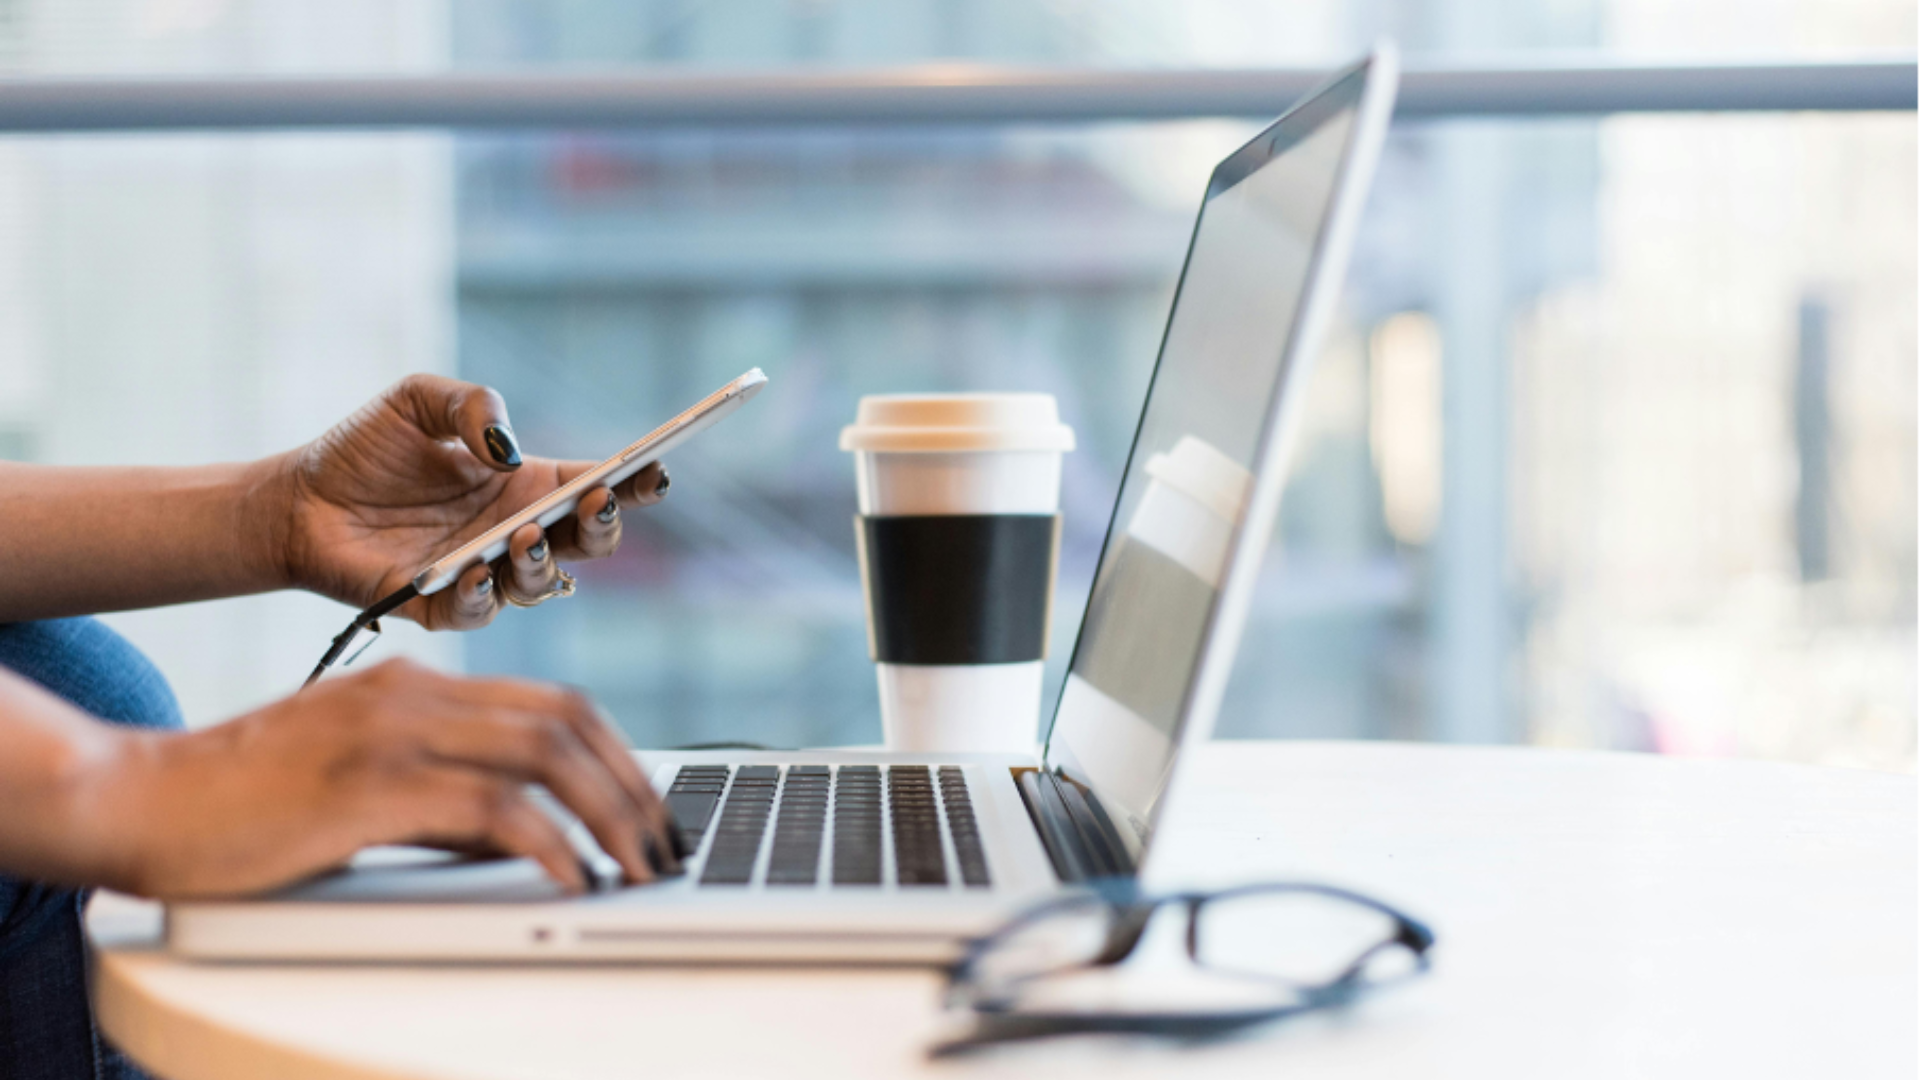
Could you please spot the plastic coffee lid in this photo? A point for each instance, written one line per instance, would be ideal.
(937, 423)
(1199, 471)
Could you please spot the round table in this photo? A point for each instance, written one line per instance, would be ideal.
(1599, 915)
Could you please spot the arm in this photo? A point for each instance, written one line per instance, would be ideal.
(417, 472)
(395, 754)
(79, 541)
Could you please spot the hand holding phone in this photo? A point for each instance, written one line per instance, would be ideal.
(650, 448)
(545, 512)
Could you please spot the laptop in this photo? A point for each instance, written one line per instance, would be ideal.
(879, 857)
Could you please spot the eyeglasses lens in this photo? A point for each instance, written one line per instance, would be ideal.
(1059, 940)
(1303, 938)
(1156, 978)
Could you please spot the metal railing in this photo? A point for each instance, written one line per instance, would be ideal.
(925, 94)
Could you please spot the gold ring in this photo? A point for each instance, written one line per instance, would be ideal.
(562, 586)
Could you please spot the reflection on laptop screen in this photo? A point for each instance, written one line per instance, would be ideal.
(1190, 473)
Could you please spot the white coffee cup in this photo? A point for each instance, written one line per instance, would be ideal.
(958, 532)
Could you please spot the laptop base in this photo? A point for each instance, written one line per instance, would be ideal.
(411, 905)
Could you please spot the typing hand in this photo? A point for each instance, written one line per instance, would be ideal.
(397, 754)
(425, 467)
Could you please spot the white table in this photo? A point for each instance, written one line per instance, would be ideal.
(1599, 915)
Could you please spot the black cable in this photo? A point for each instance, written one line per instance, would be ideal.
(366, 620)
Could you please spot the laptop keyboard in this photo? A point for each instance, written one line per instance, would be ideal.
(849, 825)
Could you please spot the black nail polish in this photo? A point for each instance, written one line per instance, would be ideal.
(665, 483)
(485, 586)
(538, 552)
(610, 511)
(503, 446)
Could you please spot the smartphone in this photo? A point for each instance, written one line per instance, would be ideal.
(492, 544)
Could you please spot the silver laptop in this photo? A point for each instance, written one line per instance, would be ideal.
(849, 856)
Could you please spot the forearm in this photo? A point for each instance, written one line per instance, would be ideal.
(53, 755)
(83, 540)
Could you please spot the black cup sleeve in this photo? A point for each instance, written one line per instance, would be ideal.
(958, 588)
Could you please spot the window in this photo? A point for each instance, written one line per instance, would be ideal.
(1615, 445)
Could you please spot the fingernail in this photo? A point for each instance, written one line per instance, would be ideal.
(665, 483)
(484, 587)
(610, 511)
(503, 446)
(538, 552)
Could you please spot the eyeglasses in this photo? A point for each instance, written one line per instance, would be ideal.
(1255, 953)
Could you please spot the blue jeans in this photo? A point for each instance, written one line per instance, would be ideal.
(46, 1021)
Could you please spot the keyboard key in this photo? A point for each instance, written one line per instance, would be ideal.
(687, 778)
(692, 810)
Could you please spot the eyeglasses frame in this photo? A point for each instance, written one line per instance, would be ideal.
(1130, 911)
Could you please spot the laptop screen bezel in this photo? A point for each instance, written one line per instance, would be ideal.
(1368, 89)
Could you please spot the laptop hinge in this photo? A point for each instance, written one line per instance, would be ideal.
(1079, 837)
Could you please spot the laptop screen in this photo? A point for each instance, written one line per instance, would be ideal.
(1191, 472)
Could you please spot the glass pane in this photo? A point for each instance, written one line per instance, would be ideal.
(605, 282)
(222, 37)
(78, 37)
(1149, 33)
(1509, 518)
(186, 299)
(1614, 447)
